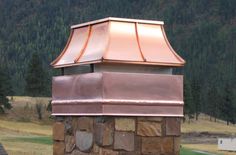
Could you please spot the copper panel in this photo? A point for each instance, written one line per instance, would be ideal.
(142, 86)
(97, 43)
(154, 45)
(122, 43)
(118, 93)
(86, 86)
(75, 46)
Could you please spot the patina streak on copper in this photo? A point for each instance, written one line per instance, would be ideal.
(108, 93)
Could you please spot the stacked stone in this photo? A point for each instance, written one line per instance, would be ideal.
(116, 136)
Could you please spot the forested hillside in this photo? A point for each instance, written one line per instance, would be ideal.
(203, 32)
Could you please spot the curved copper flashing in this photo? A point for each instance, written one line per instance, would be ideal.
(64, 50)
(116, 40)
(109, 93)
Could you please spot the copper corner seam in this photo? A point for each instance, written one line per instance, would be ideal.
(64, 50)
(85, 44)
(108, 42)
(139, 46)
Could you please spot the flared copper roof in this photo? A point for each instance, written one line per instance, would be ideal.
(118, 40)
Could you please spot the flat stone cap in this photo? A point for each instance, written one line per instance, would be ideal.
(118, 40)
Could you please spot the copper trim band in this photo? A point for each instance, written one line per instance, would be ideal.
(114, 101)
(117, 110)
(111, 114)
(123, 62)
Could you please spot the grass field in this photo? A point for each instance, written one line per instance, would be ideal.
(19, 142)
(26, 127)
(207, 147)
(205, 125)
(21, 133)
(185, 151)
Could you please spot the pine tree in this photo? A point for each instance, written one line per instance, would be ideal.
(196, 97)
(5, 89)
(188, 100)
(213, 102)
(227, 107)
(35, 78)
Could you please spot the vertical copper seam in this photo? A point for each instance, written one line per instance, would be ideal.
(168, 44)
(138, 41)
(64, 50)
(108, 40)
(85, 44)
(102, 83)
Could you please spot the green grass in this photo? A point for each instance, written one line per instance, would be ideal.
(184, 151)
(34, 139)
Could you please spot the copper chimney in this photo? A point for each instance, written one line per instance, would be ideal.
(119, 67)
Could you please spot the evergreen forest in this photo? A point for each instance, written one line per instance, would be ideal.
(203, 32)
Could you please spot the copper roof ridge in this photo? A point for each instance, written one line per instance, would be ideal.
(119, 20)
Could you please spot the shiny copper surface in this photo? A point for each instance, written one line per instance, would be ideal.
(123, 44)
(109, 93)
(75, 46)
(154, 46)
(96, 44)
(117, 40)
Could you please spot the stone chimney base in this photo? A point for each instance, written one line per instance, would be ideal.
(112, 135)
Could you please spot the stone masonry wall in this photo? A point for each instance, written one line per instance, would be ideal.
(116, 136)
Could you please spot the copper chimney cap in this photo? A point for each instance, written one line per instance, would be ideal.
(118, 40)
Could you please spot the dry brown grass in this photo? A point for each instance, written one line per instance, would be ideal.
(22, 122)
(24, 109)
(27, 127)
(22, 100)
(205, 125)
(21, 147)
